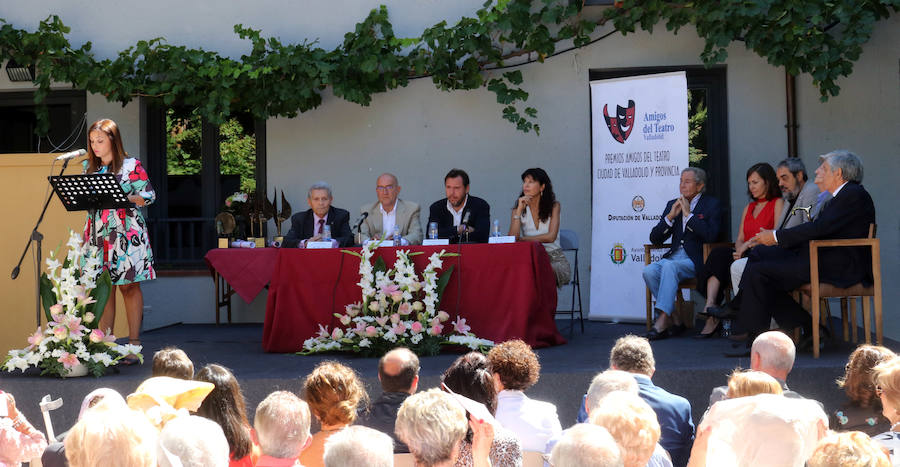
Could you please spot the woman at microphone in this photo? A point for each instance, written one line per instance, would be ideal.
(121, 234)
(535, 218)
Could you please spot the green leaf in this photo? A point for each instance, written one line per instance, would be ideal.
(101, 295)
(442, 281)
(380, 265)
(48, 298)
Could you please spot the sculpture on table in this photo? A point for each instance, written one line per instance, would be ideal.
(280, 215)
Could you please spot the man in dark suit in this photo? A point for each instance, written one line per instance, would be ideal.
(459, 206)
(398, 372)
(782, 265)
(691, 220)
(634, 355)
(308, 225)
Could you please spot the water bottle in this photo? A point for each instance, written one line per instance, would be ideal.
(326, 233)
(398, 240)
(495, 228)
(726, 327)
(432, 230)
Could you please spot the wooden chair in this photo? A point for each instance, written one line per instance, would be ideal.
(685, 284)
(819, 292)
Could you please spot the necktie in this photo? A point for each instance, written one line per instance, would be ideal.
(319, 229)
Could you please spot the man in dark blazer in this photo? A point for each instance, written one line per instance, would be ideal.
(398, 372)
(460, 207)
(782, 265)
(308, 225)
(690, 220)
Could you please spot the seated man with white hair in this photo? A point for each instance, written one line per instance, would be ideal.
(586, 445)
(192, 441)
(359, 446)
(282, 426)
(772, 353)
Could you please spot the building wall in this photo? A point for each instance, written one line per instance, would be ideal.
(419, 133)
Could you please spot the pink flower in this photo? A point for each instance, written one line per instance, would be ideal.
(35, 339)
(390, 289)
(416, 327)
(381, 320)
(56, 309)
(434, 322)
(404, 309)
(74, 325)
(68, 360)
(60, 332)
(353, 309)
(371, 331)
(345, 320)
(436, 330)
(337, 334)
(360, 327)
(395, 318)
(397, 296)
(97, 336)
(323, 331)
(443, 316)
(399, 328)
(460, 325)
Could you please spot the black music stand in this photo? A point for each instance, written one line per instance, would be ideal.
(90, 192)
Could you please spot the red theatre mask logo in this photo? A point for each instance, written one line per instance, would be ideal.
(622, 123)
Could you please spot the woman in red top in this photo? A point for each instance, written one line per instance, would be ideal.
(765, 203)
(225, 406)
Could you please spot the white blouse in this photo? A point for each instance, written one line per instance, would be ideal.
(534, 422)
(529, 230)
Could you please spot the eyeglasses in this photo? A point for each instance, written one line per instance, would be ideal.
(879, 391)
(384, 188)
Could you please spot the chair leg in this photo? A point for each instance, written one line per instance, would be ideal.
(216, 302)
(853, 320)
(649, 309)
(844, 319)
(867, 320)
(814, 303)
(826, 316)
(878, 317)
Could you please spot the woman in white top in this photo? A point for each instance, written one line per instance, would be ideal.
(535, 218)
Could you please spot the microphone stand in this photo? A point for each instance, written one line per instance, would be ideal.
(37, 237)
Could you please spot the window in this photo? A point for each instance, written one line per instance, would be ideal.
(194, 166)
(706, 89)
(18, 119)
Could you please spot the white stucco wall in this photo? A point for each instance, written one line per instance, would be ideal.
(419, 133)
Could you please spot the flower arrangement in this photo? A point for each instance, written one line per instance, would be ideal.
(73, 293)
(397, 309)
(234, 202)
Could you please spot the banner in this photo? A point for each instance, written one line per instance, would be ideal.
(639, 129)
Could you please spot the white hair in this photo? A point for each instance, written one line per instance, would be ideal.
(432, 424)
(282, 425)
(359, 446)
(607, 382)
(192, 441)
(776, 351)
(632, 423)
(586, 445)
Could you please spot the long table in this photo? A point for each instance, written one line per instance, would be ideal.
(504, 291)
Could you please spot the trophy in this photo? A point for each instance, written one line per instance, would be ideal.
(225, 225)
(279, 215)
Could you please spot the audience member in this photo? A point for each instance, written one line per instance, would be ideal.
(310, 225)
(470, 376)
(172, 362)
(862, 411)
(225, 405)
(632, 423)
(516, 368)
(460, 210)
(333, 392)
(850, 449)
(764, 429)
(55, 454)
(690, 220)
(634, 355)
(398, 372)
(606, 383)
(750, 383)
(359, 446)
(192, 441)
(586, 445)
(776, 270)
(535, 218)
(772, 353)
(887, 387)
(19, 440)
(389, 214)
(109, 434)
(433, 424)
(282, 426)
(765, 203)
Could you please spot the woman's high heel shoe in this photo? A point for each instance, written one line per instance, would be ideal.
(714, 333)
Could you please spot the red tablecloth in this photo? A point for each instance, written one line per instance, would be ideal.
(247, 270)
(508, 291)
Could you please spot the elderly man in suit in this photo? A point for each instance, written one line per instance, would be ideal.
(310, 224)
(783, 265)
(460, 210)
(690, 220)
(389, 212)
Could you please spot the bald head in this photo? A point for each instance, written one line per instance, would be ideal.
(398, 371)
(773, 352)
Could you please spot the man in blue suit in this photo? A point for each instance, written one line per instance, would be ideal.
(634, 355)
(690, 220)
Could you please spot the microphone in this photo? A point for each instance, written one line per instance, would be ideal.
(362, 217)
(465, 219)
(71, 155)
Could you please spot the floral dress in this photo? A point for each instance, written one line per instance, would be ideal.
(123, 232)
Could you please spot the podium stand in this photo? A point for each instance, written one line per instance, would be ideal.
(90, 192)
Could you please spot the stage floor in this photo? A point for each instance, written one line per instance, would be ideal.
(685, 366)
